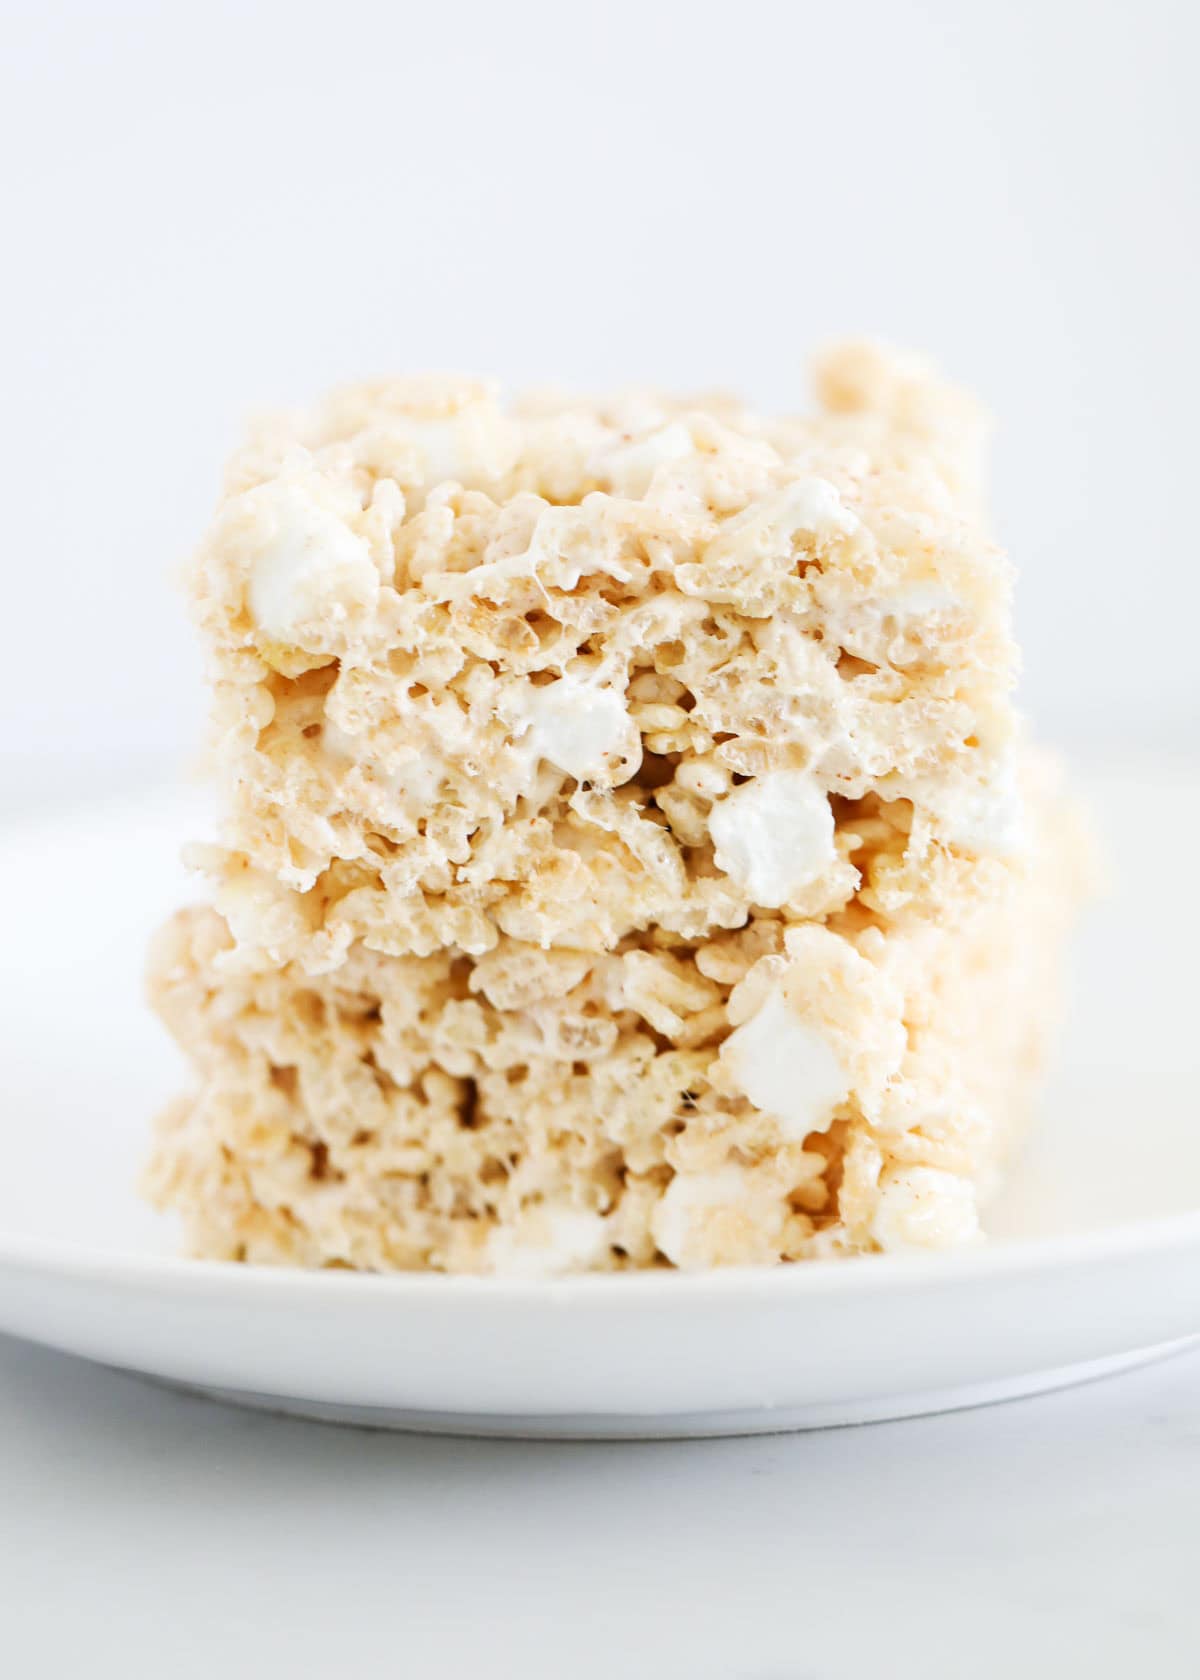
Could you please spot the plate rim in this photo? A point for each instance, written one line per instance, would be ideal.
(855, 1274)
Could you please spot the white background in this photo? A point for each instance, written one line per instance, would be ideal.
(212, 208)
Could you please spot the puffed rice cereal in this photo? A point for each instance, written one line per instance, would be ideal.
(629, 852)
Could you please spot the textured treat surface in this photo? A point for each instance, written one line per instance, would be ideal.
(628, 853)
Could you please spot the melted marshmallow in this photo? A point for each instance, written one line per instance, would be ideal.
(417, 779)
(773, 835)
(921, 601)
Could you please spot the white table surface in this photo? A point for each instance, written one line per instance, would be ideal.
(149, 1533)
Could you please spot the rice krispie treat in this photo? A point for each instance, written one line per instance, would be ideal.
(628, 855)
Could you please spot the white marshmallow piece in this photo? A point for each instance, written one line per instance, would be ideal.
(311, 573)
(988, 818)
(773, 835)
(786, 1068)
(923, 1207)
(473, 447)
(582, 729)
(630, 467)
(681, 1222)
(813, 505)
(547, 1241)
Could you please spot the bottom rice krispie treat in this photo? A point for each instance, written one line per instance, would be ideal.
(781, 1091)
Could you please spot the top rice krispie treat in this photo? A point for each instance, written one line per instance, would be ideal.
(555, 674)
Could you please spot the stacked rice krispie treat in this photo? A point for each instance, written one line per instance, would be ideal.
(629, 856)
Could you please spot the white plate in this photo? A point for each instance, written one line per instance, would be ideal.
(1094, 1262)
